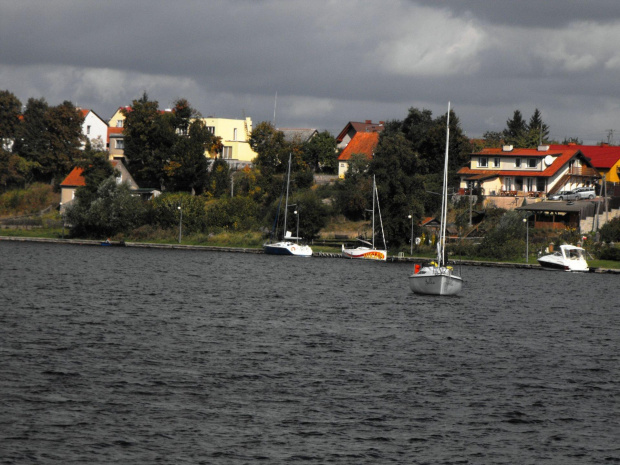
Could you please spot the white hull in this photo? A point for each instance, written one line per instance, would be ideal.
(435, 281)
(568, 258)
(365, 253)
(288, 248)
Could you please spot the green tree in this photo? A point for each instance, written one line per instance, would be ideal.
(320, 152)
(166, 214)
(239, 213)
(538, 131)
(516, 130)
(10, 110)
(493, 139)
(219, 179)
(610, 232)
(113, 210)
(50, 138)
(188, 169)
(312, 214)
(271, 148)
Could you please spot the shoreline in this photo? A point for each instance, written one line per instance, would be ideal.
(211, 248)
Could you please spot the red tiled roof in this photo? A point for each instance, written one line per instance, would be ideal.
(601, 156)
(495, 152)
(76, 176)
(363, 143)
(114, 130)
(367, 126)
(74, 179)
(562, 157)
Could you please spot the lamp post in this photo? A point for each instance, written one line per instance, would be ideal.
(62, 217)
(411, 218)
(527, 240)
(180, 221)
(297, 233)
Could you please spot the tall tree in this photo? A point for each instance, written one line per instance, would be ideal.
(148, 140)
(271, 148)
(538, 131)
(10, 110)
(516, 130)
(50, 138)
(320, 152)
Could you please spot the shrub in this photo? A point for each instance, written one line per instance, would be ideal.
(610, 232)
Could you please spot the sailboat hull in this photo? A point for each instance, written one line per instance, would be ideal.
(435, 281)
(365, 253)
(288, 248)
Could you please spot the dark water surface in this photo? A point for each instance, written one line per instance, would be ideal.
(120, 355)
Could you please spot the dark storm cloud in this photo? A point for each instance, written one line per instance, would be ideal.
(531, 13)
(329, 62)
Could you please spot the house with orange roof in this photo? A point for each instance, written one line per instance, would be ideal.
(604, 157)
(539, 172)
(76, 179)
(362, 143)
(354, 127)
(94, 128)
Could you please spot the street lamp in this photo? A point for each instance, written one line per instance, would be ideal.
(411, 218)
(297, 234)
(180, 222)
(527, 240)
(62, 217)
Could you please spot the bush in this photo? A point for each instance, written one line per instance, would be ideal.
(610, 232)
(234, 214)
(165, 213)
(32, 200)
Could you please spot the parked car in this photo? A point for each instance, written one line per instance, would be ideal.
(564, 195)
(585, 192)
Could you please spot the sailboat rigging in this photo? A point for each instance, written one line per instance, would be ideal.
(437, 278)
(367, 252)
(286, 246)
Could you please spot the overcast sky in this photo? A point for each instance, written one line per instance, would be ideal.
(329, 62)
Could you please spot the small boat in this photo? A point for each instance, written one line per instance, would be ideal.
(287, 246)
(437, 278)
(371, 252)
(568, 258)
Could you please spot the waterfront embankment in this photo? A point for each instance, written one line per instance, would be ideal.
(254, 250)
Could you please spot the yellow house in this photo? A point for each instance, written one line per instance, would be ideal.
(235, 136)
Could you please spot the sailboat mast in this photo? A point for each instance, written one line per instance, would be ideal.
(288, 181)
(374, 192)
(444, 204)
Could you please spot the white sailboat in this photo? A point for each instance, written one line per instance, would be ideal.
(286, 246)
(364, 252)
(437, 278)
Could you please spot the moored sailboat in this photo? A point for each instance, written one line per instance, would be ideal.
(286, 246)
(364, 252)
(437, 278)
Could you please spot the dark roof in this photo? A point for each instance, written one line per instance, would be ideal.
(559, 206)
(367, 126)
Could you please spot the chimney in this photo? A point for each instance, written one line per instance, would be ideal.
(543, 148)
(368, 121)
(507, 148)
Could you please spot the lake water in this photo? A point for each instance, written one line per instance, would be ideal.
(143, 356)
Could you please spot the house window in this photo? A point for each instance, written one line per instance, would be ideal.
(119, 123)
(87, 129)
(235, 134)
(531, 163)
(119, 144)
(227, 153)
(211, 129)
(517, 163)
(483, 162)
(508, 184)
(496, 162)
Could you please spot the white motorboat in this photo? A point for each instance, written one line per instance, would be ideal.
(437, 278)
(287, 246)
(371, 252)
(568, 258)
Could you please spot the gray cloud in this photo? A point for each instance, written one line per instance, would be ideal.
(329, 62)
